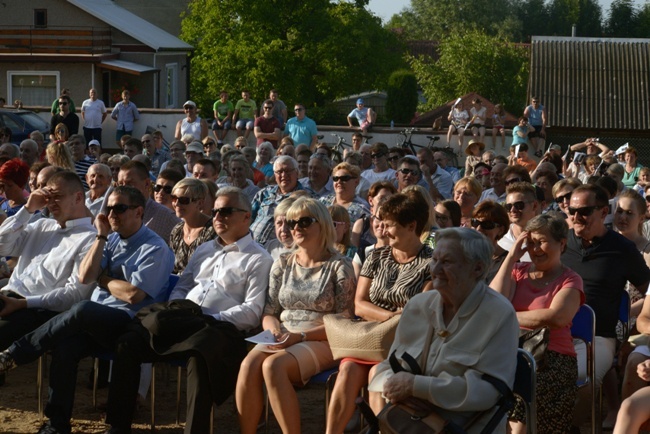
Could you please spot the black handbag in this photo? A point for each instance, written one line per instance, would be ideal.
(536, 343)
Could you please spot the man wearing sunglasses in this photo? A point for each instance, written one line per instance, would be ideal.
(130, 268)
(606, 261)
(224, 284)
(267, 127)
(49, 251)
(64, 116)
(285, 169)
(522, 205)
(157, 217)
(380, 170)
(301, 128)
(438, 180)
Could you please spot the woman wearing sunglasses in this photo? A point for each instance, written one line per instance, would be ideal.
(346, 180)
(545, 294)
(304, 285)
(162, 189)
(196, 228)
(562, 195)
(390, 276)
(491, 219)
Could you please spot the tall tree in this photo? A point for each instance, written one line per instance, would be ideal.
(585, 14)
(472, 61)
(623, 20)
(312, 51)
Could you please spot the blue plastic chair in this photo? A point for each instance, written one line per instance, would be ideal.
(584, 329)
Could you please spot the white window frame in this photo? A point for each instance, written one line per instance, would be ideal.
(10, 74)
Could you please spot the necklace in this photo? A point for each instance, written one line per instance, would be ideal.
(538, 276)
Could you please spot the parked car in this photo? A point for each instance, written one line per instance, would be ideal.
(22, 123)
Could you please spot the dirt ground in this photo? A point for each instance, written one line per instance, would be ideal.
(19, 408)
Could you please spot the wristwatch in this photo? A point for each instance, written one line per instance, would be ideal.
(303, 336)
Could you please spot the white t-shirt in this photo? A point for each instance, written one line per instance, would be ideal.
(93, 111)
(371, 176)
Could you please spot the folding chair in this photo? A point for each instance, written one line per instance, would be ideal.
(584, 329)
(525, 387)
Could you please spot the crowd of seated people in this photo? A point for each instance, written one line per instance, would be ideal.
(274, 236)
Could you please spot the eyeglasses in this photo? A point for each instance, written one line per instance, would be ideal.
(585, 211)
(343, 178)
(183, 200)
(226, 211)
(485, 224)
(302, 222)
(120, 208)
(283, 172)
(166, 188)
(564, 198)
(63, 103)
(377, 155)
(298, 109)
(519, 205)
(441, 218)
(409, 172)
(513, 180)
(393, 158)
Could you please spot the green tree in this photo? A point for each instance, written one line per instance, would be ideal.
(643, 22)
(311, 51)
(623, 20)
(585, 14)
(402, 96)
(534, 16)
(474, 62)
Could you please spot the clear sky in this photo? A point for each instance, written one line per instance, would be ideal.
(386, 8)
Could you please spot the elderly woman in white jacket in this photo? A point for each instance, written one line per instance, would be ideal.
(473, 331)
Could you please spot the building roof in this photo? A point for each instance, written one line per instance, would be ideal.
(593, 83)
(427, 119)
(126, 66)
(132, 25)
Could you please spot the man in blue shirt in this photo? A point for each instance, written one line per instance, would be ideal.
(300, 128)
(131, 267)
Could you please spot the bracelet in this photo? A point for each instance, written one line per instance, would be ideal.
(101, 237)
(303, 336)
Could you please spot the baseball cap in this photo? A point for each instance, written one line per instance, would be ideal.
(195, 147)
(190, 103)
(360, 101)
(94, 142)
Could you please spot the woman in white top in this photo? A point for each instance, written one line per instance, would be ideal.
(459, 119)
(478, 114)
(191, 124)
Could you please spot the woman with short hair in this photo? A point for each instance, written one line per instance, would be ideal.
(346, 179)
(162, 189)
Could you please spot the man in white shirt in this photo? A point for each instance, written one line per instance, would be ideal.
(93, 113)
(45, 280)
(522, 205)
(437, 178)
(498, 183)
(380, 170)
(220, 295)
(319, 182)
(98, 179)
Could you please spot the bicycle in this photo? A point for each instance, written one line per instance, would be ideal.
(404, 140)
(339, 148)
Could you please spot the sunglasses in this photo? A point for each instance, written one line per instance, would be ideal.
(441, 218)
(188, 107)
(343, 178)
(63, 103)
(409, 172)
(298, 109)
(485, 224)
(585, 211)
(377, 155)
(513, 180)
(183, 200)
(226, 211)
(565, 198)
(302, 222)
(270, 108)
(166, 188)
(519, 206)
(120, 208)
(394, 158)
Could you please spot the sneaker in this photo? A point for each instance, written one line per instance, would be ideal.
(539, 154)
(7, 362)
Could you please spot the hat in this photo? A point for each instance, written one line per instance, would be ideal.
(555, 147)
(481, 146)
(360, 101)
(195, 147)
(190, 103)
(94, 142)
(622, 149)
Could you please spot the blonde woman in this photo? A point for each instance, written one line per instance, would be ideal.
(59, 155)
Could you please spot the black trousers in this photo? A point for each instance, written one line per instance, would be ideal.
(133, 348)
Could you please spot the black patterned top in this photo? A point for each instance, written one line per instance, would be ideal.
(182, 250)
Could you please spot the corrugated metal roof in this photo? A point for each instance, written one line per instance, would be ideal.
(131, 24)
(592, 83)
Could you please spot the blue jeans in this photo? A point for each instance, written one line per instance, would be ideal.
(86, 328)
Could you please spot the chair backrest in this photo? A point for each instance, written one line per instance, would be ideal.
(624, 314)
(584, 324)
(173, 280)
(524, 387)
